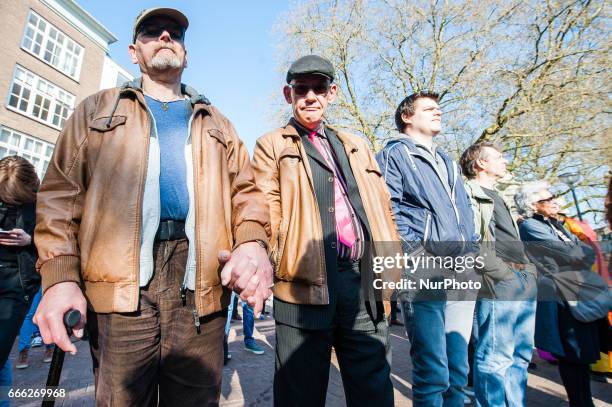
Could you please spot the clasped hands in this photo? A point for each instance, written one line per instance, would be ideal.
(248, 271)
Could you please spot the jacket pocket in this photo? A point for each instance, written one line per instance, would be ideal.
(375, 171)
(107, 123)
(290, 156)
(218, 135)
(280, 247)
(427, 231)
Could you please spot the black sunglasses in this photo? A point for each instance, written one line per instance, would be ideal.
(155, 30)
(302, 89)
(546, 200)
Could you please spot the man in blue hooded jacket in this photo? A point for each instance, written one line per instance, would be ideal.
(433, 215)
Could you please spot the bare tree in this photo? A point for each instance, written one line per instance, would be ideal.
(531, 75)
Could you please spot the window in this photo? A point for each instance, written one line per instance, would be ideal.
(52, 46)
(38, 152)
(35, 97)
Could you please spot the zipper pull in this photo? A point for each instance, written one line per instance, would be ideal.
(196, 321)
(184, 295)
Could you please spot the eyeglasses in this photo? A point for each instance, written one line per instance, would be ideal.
(546, 200)
(155, 30)
(302, 89)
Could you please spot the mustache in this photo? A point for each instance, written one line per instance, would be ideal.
(171, 48)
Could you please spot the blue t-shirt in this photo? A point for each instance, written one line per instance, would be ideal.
(172, 124)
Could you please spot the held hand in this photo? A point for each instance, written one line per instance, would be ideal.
(49, 316)
(16, 237)
(249, 273)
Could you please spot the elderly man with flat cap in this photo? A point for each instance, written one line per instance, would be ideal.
(329, 210)
(147, 216)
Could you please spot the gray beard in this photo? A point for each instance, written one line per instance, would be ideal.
(164, 62)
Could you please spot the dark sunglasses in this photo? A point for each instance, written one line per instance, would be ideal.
(155, 30)
(546, 200)
(302, 89)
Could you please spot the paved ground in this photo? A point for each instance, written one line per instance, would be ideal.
(247, 379)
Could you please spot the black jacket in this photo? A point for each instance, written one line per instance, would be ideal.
(556, 330)
(24, 281)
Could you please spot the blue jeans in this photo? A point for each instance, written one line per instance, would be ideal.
(439, 332)
(28, 327)
(248, 320)
(505, 331)
(6, 379)
(230, 311)
(248, 323)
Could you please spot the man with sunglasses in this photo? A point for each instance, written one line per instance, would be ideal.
(329, 208)
(505, 311)
(148, 191)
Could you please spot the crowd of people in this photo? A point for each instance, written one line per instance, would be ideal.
(152, 218)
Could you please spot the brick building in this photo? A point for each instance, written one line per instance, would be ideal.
(55, 54)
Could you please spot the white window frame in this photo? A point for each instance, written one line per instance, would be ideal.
(37, 97)
(48, 41)
(38, 152)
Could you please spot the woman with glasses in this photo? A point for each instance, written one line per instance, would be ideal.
(575, 344)
(19, 281)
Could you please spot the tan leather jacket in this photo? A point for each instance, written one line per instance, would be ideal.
(283, 173)
(90, 204)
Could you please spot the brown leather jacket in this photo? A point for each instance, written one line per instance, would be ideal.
(283, 173)
(90, 204)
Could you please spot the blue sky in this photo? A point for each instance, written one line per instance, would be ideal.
(231, 48)
(231, 53)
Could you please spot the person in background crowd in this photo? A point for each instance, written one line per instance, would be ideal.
(393, 320)
(19, 281)
(148, 190)
(432, 211)
(329, 208)
(583, 231)
(575, 344)
(248, 326)
(234, 306)
(25, 337)
(505, 315)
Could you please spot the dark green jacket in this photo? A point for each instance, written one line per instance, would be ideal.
(495, 268)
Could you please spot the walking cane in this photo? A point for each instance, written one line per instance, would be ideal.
(71, 318)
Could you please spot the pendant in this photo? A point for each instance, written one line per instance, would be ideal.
(164, 106)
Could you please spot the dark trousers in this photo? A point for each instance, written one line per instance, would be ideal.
(303, 356)
(154, 355)
(12, 314)
(14, 306)
(576, 379)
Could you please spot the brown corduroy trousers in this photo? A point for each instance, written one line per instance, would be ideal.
(154, 356)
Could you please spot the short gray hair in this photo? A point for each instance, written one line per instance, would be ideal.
(473, 154)
(527, 195)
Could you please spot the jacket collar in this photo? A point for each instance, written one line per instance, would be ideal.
(191, 93)
(476, 191)
(349, 146)
(540, 217)
(300, 134)
(303, 131)
(412, 147)
(198, 101)
(290, 131)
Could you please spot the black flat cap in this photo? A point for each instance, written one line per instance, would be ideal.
(310, 65)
